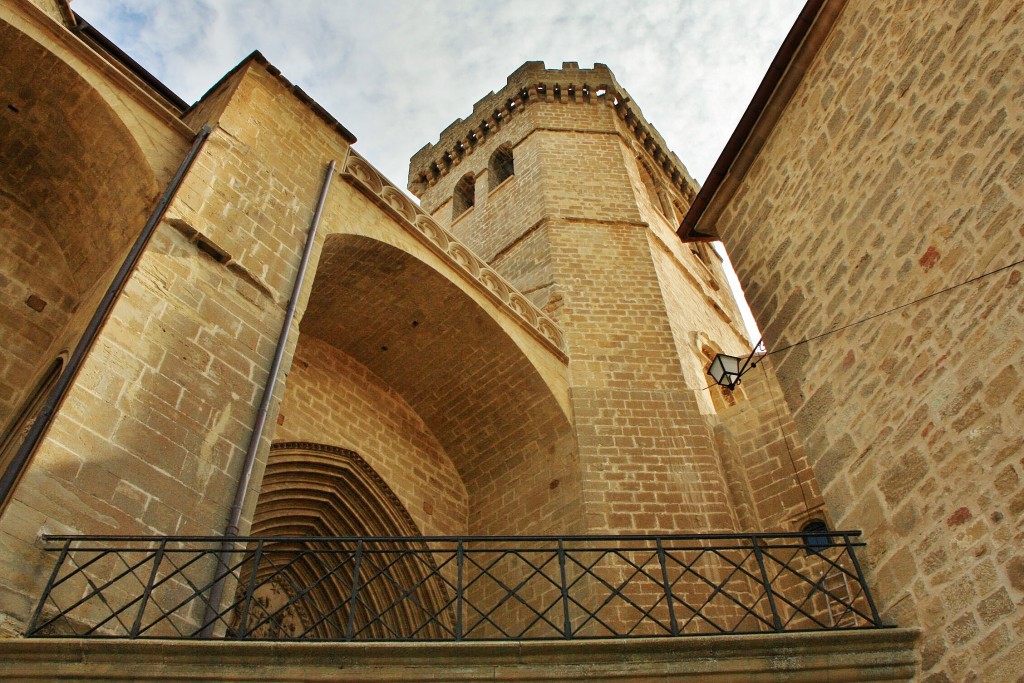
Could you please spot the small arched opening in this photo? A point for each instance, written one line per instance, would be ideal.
(501, 166)
(464, 197)
(816, 536)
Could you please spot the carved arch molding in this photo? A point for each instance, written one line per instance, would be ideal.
(305, 589)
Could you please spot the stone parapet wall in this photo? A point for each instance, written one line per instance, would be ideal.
(837, 657)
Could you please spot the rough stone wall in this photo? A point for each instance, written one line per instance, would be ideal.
(895, 172)
(334, 400)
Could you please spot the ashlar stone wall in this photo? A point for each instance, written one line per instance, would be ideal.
(150, 437)
(896, 172)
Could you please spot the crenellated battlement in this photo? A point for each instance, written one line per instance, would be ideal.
(530, 85)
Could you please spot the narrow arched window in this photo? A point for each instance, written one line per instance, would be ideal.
(501, 167)
(465, 195)
(655, 192)
(816, 536)
(12, 437)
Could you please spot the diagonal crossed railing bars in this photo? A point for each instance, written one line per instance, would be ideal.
(447, 588)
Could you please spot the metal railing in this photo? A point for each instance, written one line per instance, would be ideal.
(469, 588)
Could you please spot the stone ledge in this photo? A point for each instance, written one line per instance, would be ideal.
(840, 656)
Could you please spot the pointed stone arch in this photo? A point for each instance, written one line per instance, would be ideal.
(322, 490)
(491, 409)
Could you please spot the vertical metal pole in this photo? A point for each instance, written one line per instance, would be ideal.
(49, 586)
(860, 579)
(157, 558)
(767, 584)
(354, 596)
(668, 589)
(243, 622)
(245, 477)
(275, 366)
(567, 628)
(459, 559)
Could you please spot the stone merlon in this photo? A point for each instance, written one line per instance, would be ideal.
(530, 84)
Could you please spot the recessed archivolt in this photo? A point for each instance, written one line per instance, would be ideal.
(312, 489)
(309, 485)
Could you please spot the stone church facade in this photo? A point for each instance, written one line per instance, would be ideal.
(524, 352)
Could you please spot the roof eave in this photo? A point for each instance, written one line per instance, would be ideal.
(785, 73)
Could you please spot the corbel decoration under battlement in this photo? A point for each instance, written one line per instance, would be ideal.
(650, 139)
(550, 93)
(393, 201)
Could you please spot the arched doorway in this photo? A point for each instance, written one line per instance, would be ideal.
(305, 589)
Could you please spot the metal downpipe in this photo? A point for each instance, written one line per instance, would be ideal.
(231, 529)
(9, 478)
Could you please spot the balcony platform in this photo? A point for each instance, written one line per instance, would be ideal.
(812, 657)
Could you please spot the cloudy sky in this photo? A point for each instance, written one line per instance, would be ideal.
(397, 72)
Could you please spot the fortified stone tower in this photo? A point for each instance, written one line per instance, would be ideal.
(561, 185)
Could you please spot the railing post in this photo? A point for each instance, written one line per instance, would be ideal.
(243, 621)
(668, 589)
(860, 579)
(767, 584)
(567, 628)
(157, 558)
(351, 627)
(459, 559)
(49, 586)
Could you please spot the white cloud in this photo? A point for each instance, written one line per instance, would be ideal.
(396, 73)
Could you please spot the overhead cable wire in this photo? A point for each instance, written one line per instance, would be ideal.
(896, 308)
(885, 312)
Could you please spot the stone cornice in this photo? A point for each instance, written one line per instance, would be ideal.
(836, 656)
(358, 172)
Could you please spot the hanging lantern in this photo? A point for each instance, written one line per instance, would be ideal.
(725, 370)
